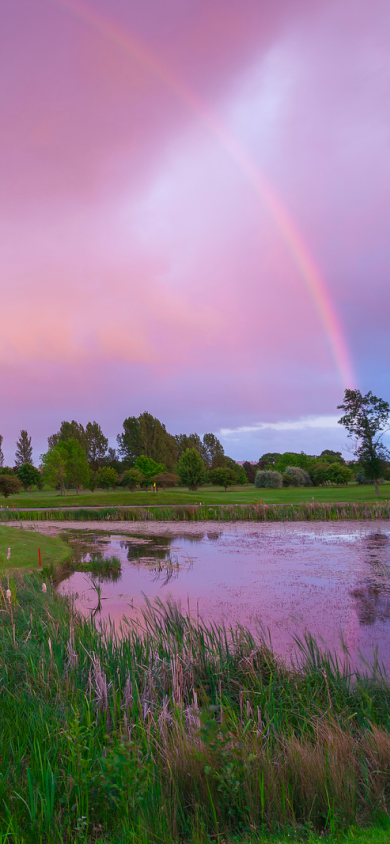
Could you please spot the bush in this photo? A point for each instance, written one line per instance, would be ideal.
(299, 476)
(9, 485)
(29, 476)
(106, 478)
(361, 478)
(131, 479)
(268, 479)
(223, 477)
(165, 479)
(191, 468)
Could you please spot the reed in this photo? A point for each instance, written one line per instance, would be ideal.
(307, 511)
(173, 730)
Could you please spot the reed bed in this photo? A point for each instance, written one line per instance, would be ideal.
(177, 731)
(308, 511)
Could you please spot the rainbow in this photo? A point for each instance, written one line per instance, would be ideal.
(286, 227)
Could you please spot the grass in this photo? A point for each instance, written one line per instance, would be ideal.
(178, 732)
(207, 495)
(24, 545)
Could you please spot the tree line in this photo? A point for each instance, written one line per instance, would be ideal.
(80, 457)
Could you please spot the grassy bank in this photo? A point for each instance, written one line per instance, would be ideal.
(24, 545)
(311, 511)
(179, 732)
(207, 495)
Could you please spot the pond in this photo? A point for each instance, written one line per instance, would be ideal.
(329, 579)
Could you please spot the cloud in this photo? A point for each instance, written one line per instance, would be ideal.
(322, 422)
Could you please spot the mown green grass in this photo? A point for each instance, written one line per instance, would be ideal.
(178, 732)
(207, 495)
(24, 545)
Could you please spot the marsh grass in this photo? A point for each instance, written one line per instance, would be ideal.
(306, 511)
(177, 731)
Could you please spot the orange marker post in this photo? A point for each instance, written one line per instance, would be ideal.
(39, 552)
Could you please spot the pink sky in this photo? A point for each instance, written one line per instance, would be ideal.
(140, 268)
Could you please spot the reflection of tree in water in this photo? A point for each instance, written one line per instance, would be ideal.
(158, 547)
(372, 598)
(156, 556)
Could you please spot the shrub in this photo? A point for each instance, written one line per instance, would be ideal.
(9, 485)
(165, 479)
(107, 478)
(268, 479)
(29, 476)
(223, 477)
(191, 468)
(361, 478)
(132, 478)
(299, 476)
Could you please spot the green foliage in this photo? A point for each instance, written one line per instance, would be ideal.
(301, 460)
(298, 476)
(9, 484)
(166, 479)
(6, 470)
(69, 430)
(174, 731)
(330, 473)
(145, 435)
(212, 452)
(24, 450)
(268, 479)
(367, 418)
(269, 460)
(148, 468)
(250, 472)
(222, 477)
(106, 478)
(191, 469)
(238, 471)
(97, 445)
(131, 479)
(29, 476)
(54, 464)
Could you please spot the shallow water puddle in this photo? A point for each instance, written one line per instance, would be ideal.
(329, 579)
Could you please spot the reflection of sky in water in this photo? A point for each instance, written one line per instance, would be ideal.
(332, 579)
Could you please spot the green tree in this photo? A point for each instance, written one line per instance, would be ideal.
(9, 485)
(131, 479)
(107, 477)
(54, 467)
(146, 436)
(269, 460)
(97, 445)
(77, 468)
(148, 467)
(69, 430)
(24, 452)
(212, 452)
(1, 452)
(291, 458)
(239, 471)
(366, 418)
(29, 476)
(250, 472)
(222, 476)
(191, 469)
(184, 441)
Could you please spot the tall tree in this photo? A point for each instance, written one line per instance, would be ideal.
(69, 430)
(367, 418)
(24, 452)
(54, 467)
(191, 469)
(146, 435)
(1, 453)
(97, 447)
(212, 452)
(77, 468)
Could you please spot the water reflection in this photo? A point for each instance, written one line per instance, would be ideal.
(372, 597)
(331, 580)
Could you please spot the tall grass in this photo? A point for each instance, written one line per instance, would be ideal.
(176, 731)
(312, 511)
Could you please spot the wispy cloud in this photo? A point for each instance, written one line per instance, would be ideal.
(289, 425)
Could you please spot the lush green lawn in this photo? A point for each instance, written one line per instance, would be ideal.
(206, 495)
(24, 545)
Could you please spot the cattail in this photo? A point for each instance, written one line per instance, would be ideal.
(44, 588)
(8, 594)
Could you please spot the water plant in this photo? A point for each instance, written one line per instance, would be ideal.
(177, 731)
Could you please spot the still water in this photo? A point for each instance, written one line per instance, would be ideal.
(329, 579)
